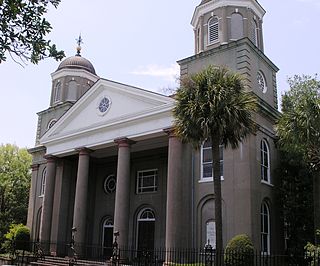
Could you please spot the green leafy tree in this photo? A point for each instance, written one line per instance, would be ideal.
(23, 29)
(214, 104)
(295, 198)
(299, 129)
(15, 178)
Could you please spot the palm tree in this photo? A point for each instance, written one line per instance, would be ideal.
(215, 105)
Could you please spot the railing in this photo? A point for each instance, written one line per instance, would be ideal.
(160, 256)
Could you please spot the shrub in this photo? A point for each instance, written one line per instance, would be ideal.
(17, 238)
(239, 251)
(22, 238)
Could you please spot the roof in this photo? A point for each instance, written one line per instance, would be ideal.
(77, 62)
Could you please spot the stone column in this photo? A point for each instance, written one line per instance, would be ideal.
(201, 37)
(174, 193)
(121, 214)
(224, 26)
(46, 215)
(80, 203)
(35, 168)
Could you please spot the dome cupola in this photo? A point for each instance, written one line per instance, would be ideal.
(73, 77)
(77, 62)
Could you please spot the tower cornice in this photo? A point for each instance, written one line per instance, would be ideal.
(212, 5)
(74, 72)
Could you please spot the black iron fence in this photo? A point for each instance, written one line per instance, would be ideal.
(74, 253)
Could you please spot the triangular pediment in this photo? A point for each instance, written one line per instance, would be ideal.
(109, 110)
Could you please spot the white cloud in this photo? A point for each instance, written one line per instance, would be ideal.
(168, 73)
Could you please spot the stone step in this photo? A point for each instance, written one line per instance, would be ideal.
(58, 261)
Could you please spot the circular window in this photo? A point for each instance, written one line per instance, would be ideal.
(261, 82)
(109, 184)
(104, 105)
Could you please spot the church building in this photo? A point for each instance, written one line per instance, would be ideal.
(106, 158)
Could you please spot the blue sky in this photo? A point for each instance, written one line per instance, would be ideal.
(138, 43)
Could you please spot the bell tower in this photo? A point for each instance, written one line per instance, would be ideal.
(229, 33)
(218, 22)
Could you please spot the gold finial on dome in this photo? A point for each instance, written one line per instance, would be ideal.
(79, 42)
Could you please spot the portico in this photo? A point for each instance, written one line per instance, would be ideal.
(146, 164)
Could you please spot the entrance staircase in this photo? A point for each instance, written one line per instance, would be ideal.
(57, 261)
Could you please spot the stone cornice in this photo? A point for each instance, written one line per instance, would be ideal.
(36, 149)
(75, 73)
(228, 46)
(267, 110)
(53, 108)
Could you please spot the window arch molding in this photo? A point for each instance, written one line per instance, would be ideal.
(265, 227)
(51, 123)
(57, 92)
(265, 161)
(43, 182)
(213, 30)
(146, 214)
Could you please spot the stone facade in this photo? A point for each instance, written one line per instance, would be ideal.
(110, 161)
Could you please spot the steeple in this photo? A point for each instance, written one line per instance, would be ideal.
(218, 22)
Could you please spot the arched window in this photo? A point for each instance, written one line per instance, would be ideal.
(265, 228)
(38, 224)
(262, 84)
(211, 233)
(146, 228)
(213, 30)
(198, 40)
(107, 237)
(255, 32)
(206, 160)
(72, 91)
(265, 161)
(57, 92)
(236, 26)
(43, 182)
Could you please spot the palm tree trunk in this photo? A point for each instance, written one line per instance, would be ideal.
(217, 190)
(316, 204)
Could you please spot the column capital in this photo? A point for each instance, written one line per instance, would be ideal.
(124, 142)
(170, 132)
(83, 151)
(50, 158)
(34, 167)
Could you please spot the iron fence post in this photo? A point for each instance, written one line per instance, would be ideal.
(115, 249)
(208, 251)
(73, 258)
